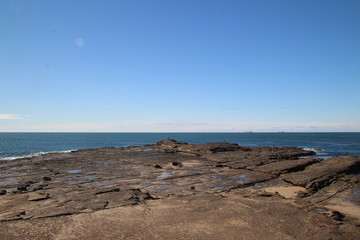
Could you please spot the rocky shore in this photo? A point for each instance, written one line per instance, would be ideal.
(174, 190)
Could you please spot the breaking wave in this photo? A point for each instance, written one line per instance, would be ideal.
(35, 154)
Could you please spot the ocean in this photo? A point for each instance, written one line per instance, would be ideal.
(15, 145)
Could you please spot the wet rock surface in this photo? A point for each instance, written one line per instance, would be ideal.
(85, 182)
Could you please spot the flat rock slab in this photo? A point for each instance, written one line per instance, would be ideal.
(342, 196)
(346, 202)
(285, 166)
(233, 155)
(320, 174)
(256, 156)
(67, 201)
(206, 217)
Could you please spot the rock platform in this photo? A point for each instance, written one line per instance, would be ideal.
(180, 191)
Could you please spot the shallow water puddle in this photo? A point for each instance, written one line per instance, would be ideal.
(242, 176)
(353, 197)
(73, 182)
(217, 178)
(74, 171)
(89, 177)
(165, 175)
(8, 181)
(241, 179)
(161, 189)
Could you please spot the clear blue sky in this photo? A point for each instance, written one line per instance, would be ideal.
(180, 65)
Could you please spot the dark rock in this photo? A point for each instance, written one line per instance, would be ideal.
(41, 187)
(337, 215)
(171, 146)
(107, 191)
(210, 147)
(22, 188)
(158, 166)
(169, 142)
(267, 194)
(2, 192)
(177, 164)
(46, 178)
(169, 151)
(21, 213)
(147, 196)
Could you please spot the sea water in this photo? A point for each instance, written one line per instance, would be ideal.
(15, 145)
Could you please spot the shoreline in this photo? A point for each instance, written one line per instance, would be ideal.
(21, 144)
(36, 154)
(318, 152)
(97, 183)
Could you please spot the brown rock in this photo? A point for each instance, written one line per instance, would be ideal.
(285, 166)
(323, 173)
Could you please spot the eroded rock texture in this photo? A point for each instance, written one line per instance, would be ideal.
(87, 181)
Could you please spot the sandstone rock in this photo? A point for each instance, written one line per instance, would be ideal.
(171, 145)
(323, 173)
(37, 197)
(210, 147)
(114, 178)
(285, 166)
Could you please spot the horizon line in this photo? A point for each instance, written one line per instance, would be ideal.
(247, 132)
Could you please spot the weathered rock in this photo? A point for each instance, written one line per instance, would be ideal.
(201, 217)
(323, 173)
(289, 153)
(255, 156)
(109, 178)
(169, 146)
(169, 142)
(68, 201)
(174, 146)
(38, 196)
(285, 166)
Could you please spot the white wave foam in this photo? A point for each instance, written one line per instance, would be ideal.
(36, 154)
(318, 152)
